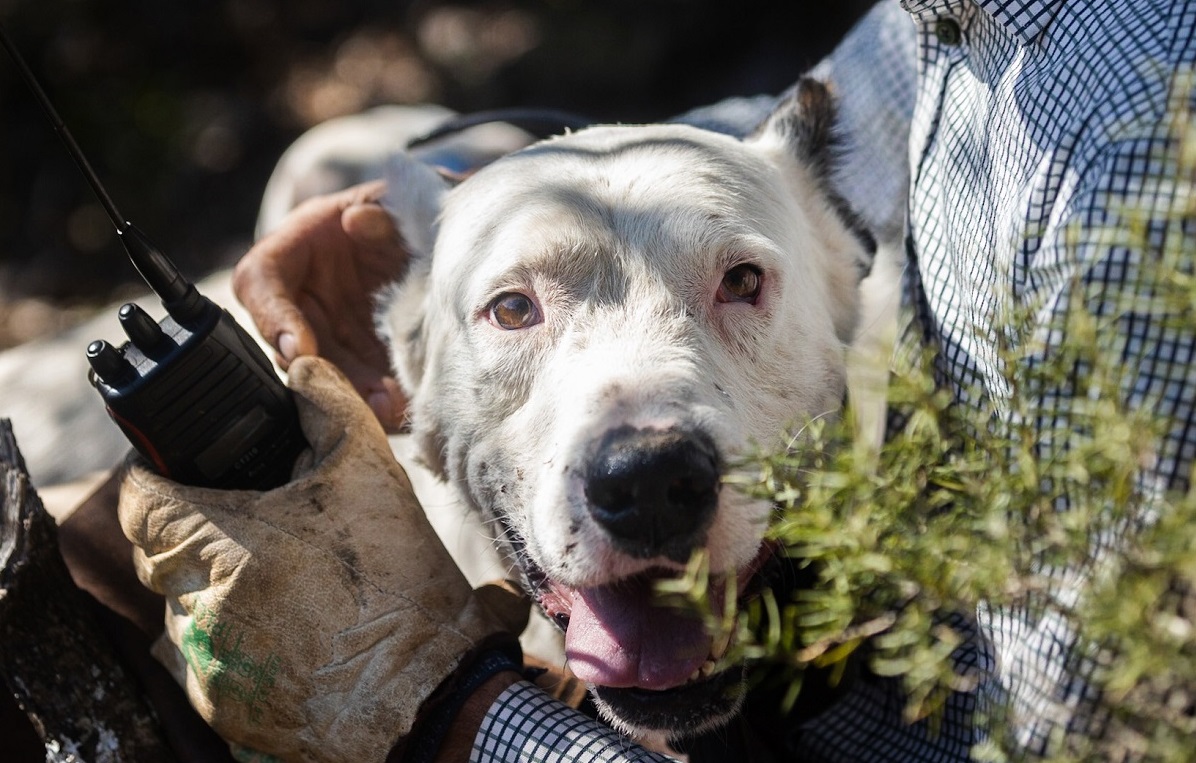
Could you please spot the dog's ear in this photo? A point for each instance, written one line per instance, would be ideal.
(803, 125)
(414, 194)
(804, 120)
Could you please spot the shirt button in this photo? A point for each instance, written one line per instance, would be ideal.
(948, 32)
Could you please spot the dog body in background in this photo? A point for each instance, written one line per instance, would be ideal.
(592, 332)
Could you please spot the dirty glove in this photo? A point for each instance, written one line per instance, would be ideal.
(315, 621)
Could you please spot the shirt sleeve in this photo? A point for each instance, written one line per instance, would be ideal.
(525, 724)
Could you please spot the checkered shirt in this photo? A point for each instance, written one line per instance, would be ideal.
(1000, 145)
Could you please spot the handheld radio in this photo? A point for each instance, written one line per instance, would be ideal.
(193, 393)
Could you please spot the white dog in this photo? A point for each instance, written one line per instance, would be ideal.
(591, 332)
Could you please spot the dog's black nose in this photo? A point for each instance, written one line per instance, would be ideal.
(654, 491)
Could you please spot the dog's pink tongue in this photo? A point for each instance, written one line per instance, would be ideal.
(620, 636)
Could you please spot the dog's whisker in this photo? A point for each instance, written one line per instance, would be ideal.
(791, 445)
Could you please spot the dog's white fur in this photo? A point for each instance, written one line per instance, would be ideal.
(621, 237)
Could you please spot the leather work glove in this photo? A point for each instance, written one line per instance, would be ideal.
(314, 621)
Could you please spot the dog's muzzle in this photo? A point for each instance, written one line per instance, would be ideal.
(654, 491)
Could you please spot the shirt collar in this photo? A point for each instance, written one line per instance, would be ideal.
(1024, 18)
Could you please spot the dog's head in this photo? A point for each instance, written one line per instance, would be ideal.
(591, 331)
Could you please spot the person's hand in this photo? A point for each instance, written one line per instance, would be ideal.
(309, 285)
(321, 620)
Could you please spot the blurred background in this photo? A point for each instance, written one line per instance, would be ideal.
(183, 108)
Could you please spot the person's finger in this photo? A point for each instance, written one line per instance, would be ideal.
(269, 296)
(369, 224)
(269, 279)
(388, 404)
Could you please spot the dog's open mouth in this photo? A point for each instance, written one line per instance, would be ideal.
(621, 635)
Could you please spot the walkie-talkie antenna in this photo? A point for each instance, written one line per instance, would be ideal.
(72, 147)
(177, 293)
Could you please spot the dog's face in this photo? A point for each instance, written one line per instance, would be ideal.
(591, 332)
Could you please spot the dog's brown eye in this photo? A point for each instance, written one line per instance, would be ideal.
(513, 311)
(741, 284)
